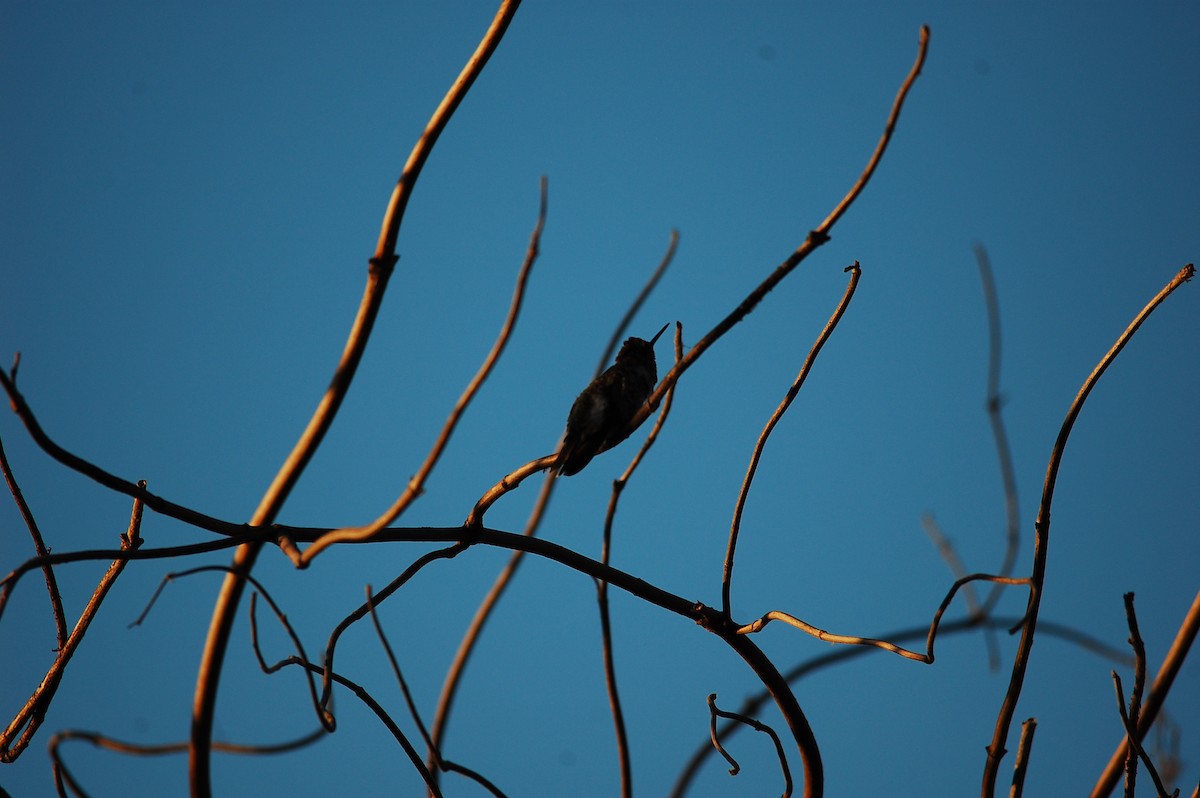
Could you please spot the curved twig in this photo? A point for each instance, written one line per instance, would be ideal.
(647, 289)
(996, 750)
(417, 483)
(610, 669)
(837, 656)
(114, 483)
(1008, 477)
(814, 240)
(745, 720)
(442, 764)
(63, 777)
(828, 637)
(475, 520)
(438, 554)
(735, 526)
(380, 271)
(56, 608)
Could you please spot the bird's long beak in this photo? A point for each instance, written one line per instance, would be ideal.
(660, 332)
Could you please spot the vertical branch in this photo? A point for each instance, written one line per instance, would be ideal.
(471, 636)
(727, 572)
(417, 484)
(27, 721)
(1022, 763)
(610, 670)
(39, 546)
(381, 265)
(994, 402)
(996, 750)
(1163, 680)
(1135, 697)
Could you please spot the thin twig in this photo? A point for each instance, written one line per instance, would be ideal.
(610, 670)
(996, 750)
(1131, 734)
(995, 402)
(114, 483)
(63, 777)
(735, 526)
(31, 714)
(442, 764)
(381, 266)
(1135, 697)
(745, 720)
(417, 484)
(475, 520)
(843, 654)
(814, 240)
(39, 546)
(408, 573)
(974, 609)
(1153, 703)
(828, 637)
(636, 305)
(511, 481)
(1022, 762)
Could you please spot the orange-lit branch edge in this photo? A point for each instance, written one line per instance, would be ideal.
(996, 749)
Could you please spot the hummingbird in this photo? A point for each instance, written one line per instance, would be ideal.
(600, 415)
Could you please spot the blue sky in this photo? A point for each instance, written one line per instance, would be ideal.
(190, 197)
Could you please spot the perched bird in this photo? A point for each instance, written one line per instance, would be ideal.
(600, 414)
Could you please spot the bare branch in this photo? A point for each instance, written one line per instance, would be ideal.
(112, 482)
(378, 274)
(1163, 680)
(56, 608)
(417, 484)
(30, 716)
(1131, 735)
(610, 670)
(995, 402)
(1139, 684)
(735, 526)
(1022, 763)
(745, 720)
(815, 239)
(828, 637)
(475, 520)
(996, 750)
(840, 655)
(412, 706)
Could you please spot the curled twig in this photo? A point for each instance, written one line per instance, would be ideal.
(714, 713)
(828, 637)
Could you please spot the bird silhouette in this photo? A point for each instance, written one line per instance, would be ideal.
(601, 414)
